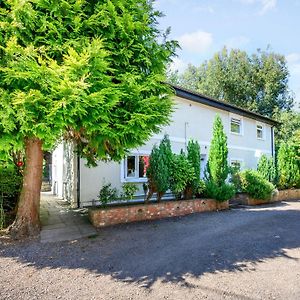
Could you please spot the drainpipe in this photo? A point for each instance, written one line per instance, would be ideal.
(186, 124)
(78, 181)
(272, 141)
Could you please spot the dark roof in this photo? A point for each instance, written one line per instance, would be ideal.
(199, 98)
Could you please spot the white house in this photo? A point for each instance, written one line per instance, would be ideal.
(249, 136)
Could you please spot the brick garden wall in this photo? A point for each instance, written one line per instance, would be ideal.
(283, 195)
(101, 217)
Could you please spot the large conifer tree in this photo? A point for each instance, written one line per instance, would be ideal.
(87, 71)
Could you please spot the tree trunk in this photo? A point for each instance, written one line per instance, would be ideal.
(27, 222)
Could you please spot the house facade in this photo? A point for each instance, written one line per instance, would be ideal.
(249, 136)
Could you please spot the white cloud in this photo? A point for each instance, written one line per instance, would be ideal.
(204, 8)
(237, 42)
(196, 42)
(266, 5)
(178, 64)
(293, 60)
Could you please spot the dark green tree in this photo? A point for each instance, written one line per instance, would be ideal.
(258, 82)
(182, 174)
(86, 71)
(194, 157)
(158, 172)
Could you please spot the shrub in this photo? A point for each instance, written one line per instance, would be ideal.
(266, 167)
(10, 187)
(234, 172)
(158, 172)
(255, 185)
(221, 192)
(201, 188)
(128, 190)
(193, 156)
(107, 194)
(182, 174)
(288, 168)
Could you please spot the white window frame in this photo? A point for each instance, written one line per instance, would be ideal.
(240, 118)
(137, 179)
(241, 161)
(263, 131)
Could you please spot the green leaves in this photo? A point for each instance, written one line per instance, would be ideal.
(90, 71)
(288, 167)
(258, 82)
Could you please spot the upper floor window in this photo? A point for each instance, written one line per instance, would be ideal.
(236, 125)
(136, 166)
(260, 131)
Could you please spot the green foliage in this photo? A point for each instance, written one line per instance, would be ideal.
(158, 171)
(254, 184)
(90, 71)
(288, 167)
(234, 172)
(194, 157)
(107, 194)
(10, 186)
(182, 174)
(201, 190)
(221, 192)
(128, 190)
(218, 169)
(258, 82)
(266, 168)
(289, 124)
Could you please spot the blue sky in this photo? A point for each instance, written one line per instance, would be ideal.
(204, 27)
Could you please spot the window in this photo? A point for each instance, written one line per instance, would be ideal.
(135, 167)
(236, 125)
(236, 163)
(259, 131)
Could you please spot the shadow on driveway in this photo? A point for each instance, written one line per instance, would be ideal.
(170, 249)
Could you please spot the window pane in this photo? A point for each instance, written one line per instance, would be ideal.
(143, 165)
(235, 125)
(130, 166)
(236, 164)
(259, 131)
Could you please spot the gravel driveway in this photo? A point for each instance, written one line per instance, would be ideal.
(237, 254)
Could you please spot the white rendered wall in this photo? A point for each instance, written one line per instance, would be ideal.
(190, 120)
(57, 170)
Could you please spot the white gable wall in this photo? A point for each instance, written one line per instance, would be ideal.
(190, 120)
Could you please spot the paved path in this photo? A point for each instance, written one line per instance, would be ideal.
(62, 223)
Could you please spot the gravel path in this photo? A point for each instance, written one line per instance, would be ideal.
(238, 254)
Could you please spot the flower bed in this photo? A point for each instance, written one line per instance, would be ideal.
(101, 217)
(282, 195)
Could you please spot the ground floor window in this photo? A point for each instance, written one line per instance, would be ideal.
(135, 167)
(236, 163)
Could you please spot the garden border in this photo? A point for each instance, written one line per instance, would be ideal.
(106, 216)
(280, 195)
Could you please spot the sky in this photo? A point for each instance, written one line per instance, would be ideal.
(204, 27)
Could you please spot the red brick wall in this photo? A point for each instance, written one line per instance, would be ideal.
(124, 214)
(283, 195)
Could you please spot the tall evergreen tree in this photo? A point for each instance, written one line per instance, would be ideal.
(86, 71)
(218, 154)
(158, 172)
